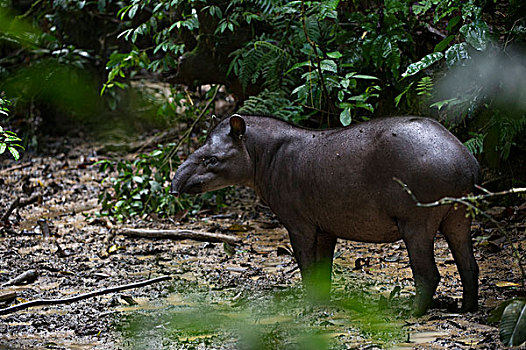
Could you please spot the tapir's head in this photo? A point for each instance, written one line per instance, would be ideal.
(222, 161)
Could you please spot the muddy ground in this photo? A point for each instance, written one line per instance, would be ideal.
(247, 297)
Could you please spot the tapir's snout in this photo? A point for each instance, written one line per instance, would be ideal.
(182, 180)
(178, 181)
(175, 187)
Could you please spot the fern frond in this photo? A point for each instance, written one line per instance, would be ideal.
(475, 144)
(312, 28)
(273, 103)
(425, 86)
(263, 59)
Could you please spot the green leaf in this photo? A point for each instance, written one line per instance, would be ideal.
(512, 327)
(456, 54)
(299, 65)
(444, 43)
(345, 117)
(329, 65)
(399, 97)
(453, 22)
(3, 146)
(133, 11)
(476, 34)
(335, 54)
(12, 139)
(425, 62)
(364, 76)
(14, 152)
(138, 179)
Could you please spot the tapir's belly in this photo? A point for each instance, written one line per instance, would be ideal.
(375, 231)
(372, 229)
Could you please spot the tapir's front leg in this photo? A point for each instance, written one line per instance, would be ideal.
(314, 252)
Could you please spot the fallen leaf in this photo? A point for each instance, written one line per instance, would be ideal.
(505, 284)
(114, 248)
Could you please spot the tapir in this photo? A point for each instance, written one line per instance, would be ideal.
(339, 183)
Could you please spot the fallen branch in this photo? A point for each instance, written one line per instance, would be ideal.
(40, 302)
(29, 276)
(15, 167)
(181, 234)
(8, 297)
(20, 203)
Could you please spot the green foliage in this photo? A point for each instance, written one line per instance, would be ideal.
(513, 323)
(8, 139)
(142, 187)
(328, 60)
(119, 63)
(466, 89)
(139, 187)
(476, 143)
(424, 63)
(297, 53)
(474, 31)
(425, 86)
(265, 59)
(273, 103)
(40, 68)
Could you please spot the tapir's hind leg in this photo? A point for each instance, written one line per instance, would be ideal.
(418, 236)
(456, 227)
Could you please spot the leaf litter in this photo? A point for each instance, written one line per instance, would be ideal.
(245, 296)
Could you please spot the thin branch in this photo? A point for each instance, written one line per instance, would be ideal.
(467, 201)
(451, 200)
(27, 277)
(40, 302)
(20, 203)
(181, 234)
(190, 130)
(15, 167)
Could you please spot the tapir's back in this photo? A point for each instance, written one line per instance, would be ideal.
(418, 151)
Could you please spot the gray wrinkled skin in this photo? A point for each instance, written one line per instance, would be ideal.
(338, 183)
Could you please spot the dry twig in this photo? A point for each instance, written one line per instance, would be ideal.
(40, 302)
(181, 234)
(20, 203)
(8, 297)
(15, 167)
(27, 277)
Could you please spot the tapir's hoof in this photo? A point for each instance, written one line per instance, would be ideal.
(420, 308)
(417, 312)
(469, 307)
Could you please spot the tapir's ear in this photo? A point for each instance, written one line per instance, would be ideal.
(237, 126)
(212, 123)
(215, 120)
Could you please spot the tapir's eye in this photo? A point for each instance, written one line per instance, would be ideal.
(210, 161)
